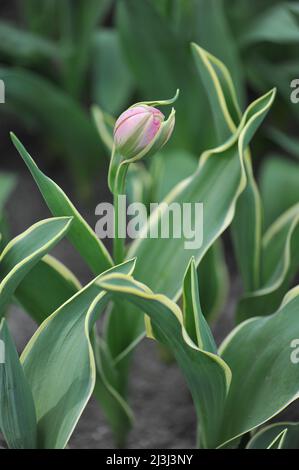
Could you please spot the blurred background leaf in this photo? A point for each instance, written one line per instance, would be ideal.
(112, 83)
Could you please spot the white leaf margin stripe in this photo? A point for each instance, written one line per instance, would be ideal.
(288, 298)
(144, 292)
(76, 213)
(35, 254)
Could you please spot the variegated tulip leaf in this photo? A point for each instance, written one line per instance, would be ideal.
(207, 376)
(278, 441)
(59, 363)
(124, 329)
(167, 169)
(265, 379)
(194, 320)
(251, 354)
(266, 436)
(47, 286)
(80, 235)
(246, 227)
(22, 253)
(212, 29)
(109, 390)
(221, 92)
(224, 167)
(280, 263)
(17, 411)
(247, 224)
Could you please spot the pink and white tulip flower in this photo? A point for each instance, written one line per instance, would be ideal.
(142, 127)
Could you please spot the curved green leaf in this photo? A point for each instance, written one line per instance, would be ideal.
(124, 329)
(109, 390)
(167, 169)
(213, 31)
(47, 286)
(80, 235)
(263, 438)
(278, 441)
(194, 321)
(264, 378)
(23, 253)
(207, 376)
(221, 92)
(17, 412)
(280, 263)
(247, 226)
(59, 363)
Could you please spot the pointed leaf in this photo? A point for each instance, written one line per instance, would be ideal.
(194, 321)
(264, 378)
(17, 412)
(59, 363)
(23, 253)
(280, 263)
(107, 387)
(246, 226)
(207, 376)
(80, 234)
(47, 286)
(224, 166)
(263, 438)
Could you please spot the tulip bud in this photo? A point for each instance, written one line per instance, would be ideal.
(138, 128)
(138, 132)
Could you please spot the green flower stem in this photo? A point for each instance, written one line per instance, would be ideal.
(118, 243)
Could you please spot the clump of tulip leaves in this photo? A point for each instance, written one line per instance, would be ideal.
(156, 288)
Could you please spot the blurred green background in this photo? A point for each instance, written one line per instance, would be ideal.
(58, 57)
